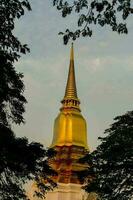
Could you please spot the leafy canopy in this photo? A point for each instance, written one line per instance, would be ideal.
(21, 161)
(12, 100)
(113, 13)
(110, 171)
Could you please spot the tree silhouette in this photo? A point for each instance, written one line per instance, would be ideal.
(11, 85)
(110, 172)
(113, 13)
(21, 161)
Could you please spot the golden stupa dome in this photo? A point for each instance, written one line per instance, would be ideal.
(70, 127)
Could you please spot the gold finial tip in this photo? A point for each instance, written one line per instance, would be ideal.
(72, 53)
(72, 45)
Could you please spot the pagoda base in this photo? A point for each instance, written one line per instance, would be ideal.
(68, 191)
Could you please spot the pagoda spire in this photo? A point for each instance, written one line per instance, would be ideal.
(71, 90)
(70, 99)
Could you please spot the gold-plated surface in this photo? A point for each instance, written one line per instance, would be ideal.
(70, 126)
(70, 129)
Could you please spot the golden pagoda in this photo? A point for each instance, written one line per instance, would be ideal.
(70, 133)
(70, 126)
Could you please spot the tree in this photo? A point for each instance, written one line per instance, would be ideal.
(113, 13)
(110, 171)
(21, 161)
(12, 100)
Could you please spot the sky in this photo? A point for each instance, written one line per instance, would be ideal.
(103, 65)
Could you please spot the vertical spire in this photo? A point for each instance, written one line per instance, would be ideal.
(71, 91)
(71, 100)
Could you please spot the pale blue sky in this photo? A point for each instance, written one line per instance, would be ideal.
(104, 73)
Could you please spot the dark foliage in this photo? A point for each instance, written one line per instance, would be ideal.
(21, 161)
(110, 171)
(101, 12)
(11, 85)
(11, 93)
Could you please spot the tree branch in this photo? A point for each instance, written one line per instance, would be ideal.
(131, 10)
